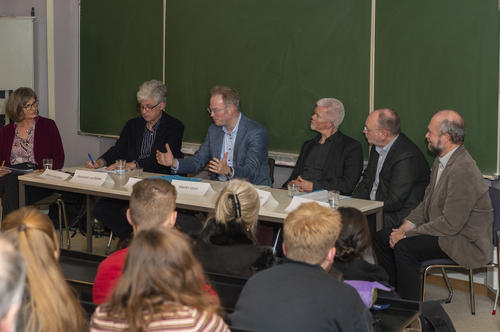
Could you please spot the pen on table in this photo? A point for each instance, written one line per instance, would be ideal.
(91, 160)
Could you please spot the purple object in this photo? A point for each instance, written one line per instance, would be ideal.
(366, 290)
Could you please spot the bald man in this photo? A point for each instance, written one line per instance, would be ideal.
(453, 221)
(397, 172)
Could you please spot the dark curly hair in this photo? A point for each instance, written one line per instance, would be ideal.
(354, 237)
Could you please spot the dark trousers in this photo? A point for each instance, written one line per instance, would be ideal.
(10, 194)
(403, 262)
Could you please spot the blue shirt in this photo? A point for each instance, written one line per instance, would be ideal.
(228, 146)
(382, 153)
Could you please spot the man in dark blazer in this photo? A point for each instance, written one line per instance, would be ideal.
(331, 160)
(139, 140)
(453, 221)
(397, 172)
(143, 136)
(234, 146)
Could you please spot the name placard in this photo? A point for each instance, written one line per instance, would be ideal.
(130, 183)
(89, 177)
(296, 201)
(193, 188)
(267, 201)
(55, 175)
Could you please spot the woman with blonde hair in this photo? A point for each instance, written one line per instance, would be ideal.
(49, 304)
(227, 243)
(162, 288)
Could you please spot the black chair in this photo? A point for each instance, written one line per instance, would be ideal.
(444, 264)
(271, 162)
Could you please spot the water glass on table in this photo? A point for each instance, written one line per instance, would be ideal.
(333, 198)
(121, 166)
(293, 189)
(47, 163)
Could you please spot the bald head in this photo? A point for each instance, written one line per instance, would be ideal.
(381, 126)
(451, 123)
(388, 120)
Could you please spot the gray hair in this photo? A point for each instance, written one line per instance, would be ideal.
(334, 110)
(12, 275)
(152, 89)
(455, 129)
(389, 120)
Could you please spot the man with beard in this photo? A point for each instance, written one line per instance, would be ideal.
(453, 221)
(331, 160)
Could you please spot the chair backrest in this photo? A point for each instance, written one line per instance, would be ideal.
(271, 162)
(495, 202)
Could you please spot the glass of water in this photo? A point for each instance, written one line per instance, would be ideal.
(333, 198)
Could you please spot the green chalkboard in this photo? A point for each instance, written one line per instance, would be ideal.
(433, 55)
(281, 55)
(121, 46)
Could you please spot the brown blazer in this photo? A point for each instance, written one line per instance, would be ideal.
(458, 210)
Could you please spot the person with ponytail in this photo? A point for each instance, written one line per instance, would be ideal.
(227, 243)
(48, 304)
(162, 288)
(26, 141)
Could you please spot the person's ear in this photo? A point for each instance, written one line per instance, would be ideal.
(331, 255)
(172, 219)
(284, 249)
(129, 219)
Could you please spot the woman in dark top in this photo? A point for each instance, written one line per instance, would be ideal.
(351, 245)
(227, 242)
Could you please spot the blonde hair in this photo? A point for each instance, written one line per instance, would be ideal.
(238, 202)
(310, 231)
(52, 304)
(160, 275)
(151, 203)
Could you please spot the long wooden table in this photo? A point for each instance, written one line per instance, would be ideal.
(188, 202)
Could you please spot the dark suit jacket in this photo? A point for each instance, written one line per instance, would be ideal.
(343, 165)
(250, 152)
(458, 211)
(402, 180)
(128, 146)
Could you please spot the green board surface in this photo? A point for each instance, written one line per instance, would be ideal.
(283, 55)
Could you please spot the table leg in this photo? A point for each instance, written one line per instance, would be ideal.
(22, 194)
(89, 224)
(379, 223)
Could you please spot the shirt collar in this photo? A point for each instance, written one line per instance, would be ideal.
(330, 138)
(444, 159)
(156, 125)
(387, 147)
(235, 129)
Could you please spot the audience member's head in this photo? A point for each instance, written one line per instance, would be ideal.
(160, 274)
(309, 234)
(354, 237)
(152, 204)
(51, 304)
(334, 110)
(12, 276)
(238, 202)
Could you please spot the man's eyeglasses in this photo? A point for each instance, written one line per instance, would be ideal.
(209, 110)
(32, 105)
(148, 108)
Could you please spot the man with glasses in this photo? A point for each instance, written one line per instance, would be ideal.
(143, 136)
(397, 172)
(234, 146)
(331, 160)
(139, 140)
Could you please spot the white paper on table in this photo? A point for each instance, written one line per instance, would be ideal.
(90, 178)
(267, 199)
(130, 183)
(193, 188)
(297, 200)
(54, 175)
(320, 196)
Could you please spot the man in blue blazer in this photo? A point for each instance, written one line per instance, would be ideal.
(234, 147)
